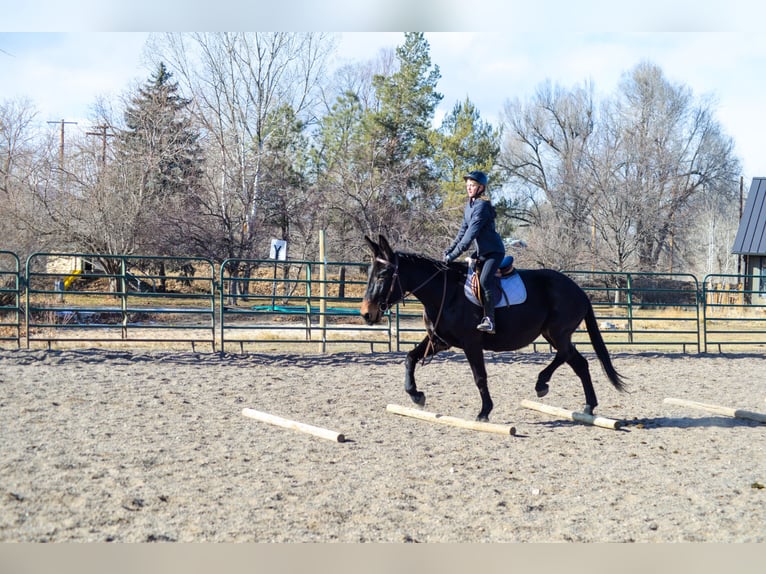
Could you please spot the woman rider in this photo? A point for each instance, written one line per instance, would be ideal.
(479, 227)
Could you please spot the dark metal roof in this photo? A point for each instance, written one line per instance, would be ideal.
(751, 235)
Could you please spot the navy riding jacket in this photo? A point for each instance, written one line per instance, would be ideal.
(479, 227)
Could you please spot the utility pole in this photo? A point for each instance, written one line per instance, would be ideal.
(103, 135)
(61, 142)
(741, 203)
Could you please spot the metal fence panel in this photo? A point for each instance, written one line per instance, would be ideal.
(734, 312)
(10, 298)
(273, 304)
(77, 297)
(267, 302)
(657, 310)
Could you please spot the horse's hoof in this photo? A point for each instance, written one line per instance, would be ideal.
(482, 419)
(588, 410)
(541, 392)
(418, 398)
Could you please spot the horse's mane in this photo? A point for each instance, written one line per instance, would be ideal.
(457, 268)
(416, 257)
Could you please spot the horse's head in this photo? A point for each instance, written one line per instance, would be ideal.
(383, 289)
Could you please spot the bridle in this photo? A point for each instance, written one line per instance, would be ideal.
(395, 280)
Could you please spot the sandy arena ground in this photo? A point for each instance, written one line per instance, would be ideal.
(140, 446)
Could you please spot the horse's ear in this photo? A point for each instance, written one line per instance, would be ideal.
(389, 253)
(374, 246)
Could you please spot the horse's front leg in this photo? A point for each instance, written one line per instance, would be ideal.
(427, 347)
(475, 358)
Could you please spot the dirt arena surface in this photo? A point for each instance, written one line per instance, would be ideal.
(145, 446)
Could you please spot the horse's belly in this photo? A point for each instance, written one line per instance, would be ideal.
(511, 334)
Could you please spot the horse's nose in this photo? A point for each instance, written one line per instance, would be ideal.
(364, 311)
(367, 314)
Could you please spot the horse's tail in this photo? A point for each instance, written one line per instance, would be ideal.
(601, 351)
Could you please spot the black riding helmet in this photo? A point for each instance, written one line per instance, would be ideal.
(478, 176)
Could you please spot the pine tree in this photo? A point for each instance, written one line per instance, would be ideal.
(161, 159)
(464, 143)
(375, 149)
(408, 100)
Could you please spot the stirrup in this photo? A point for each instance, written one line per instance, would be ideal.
(486, 326)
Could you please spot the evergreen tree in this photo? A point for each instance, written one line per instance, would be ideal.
(407, 102)
(379, 175)
(463, 143)
(160, 159)
(287, 204)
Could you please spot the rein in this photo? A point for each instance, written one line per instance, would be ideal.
(433, 334)
(395, 279)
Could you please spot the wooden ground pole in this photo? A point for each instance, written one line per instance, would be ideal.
(572, 415)
(727, 411)
(287, 423)
(451, 421)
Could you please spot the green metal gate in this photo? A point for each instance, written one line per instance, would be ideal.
(267, 303)
(651, 310)
(734, 311)
(75, 297)
(10, 298)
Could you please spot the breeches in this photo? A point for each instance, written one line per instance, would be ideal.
(487, 278)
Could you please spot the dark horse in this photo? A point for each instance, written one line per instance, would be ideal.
(555, 306)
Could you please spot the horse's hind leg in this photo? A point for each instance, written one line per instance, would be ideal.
(579, 365)
(427, 347)
(567, 353)
(541, 387)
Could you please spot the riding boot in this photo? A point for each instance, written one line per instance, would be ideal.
(487, 324)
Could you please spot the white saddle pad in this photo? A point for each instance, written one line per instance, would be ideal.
(513, 291)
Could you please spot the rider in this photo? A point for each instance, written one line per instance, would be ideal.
(479, 227)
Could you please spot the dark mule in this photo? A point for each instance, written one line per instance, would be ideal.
(555, 306)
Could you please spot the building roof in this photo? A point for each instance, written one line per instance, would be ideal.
(751, 235)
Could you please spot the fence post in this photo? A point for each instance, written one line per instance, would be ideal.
(58, 285)
(702, 320)
(342, 286)
(308, 300)
(322, 291)
(124, 296)
(222, 282)
(11, 287)
(629, 299)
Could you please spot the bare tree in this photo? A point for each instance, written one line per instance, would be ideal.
(94, 204)
(237, 81)
(122, 197)
(25, 178)
(618, 189)
(672, 150)
(711, 235)
(546, 155)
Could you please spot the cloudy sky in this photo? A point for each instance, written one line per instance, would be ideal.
(63, 58)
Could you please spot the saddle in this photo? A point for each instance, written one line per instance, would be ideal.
(509, 290)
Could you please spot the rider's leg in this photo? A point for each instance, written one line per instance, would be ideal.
(488, 281)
